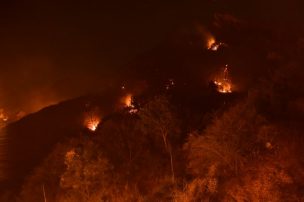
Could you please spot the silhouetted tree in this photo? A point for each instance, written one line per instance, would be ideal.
(157, 119)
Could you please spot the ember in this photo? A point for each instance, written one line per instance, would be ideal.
(170, 84)
(216, 45)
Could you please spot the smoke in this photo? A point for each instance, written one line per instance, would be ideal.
(32, 82)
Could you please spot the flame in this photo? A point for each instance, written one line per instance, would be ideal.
(223, 83)
(3, 115)
(223, 87)
(92, 123)
(3, 118)
(128, 103)
(127, 100)
(210, 42)
(214, 45)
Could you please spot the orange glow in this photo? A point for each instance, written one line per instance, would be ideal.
(127, 100)
(210, 42)
(223, 83)
(92, 122)
(3, 116)
(223, 87)
(69, 156)
(214, 45)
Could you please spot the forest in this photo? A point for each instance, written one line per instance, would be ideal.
(214, 113)
(249, 149)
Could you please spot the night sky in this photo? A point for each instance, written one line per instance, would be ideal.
(53, 50)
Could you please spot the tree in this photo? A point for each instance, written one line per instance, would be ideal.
(47, 174)
(158, 121)
(276, 176)
(87, 172)
(227, 143)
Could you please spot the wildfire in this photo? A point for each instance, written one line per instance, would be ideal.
(224, 87)
(223, 83)
(210, 42)
(3, 115)
(128, 103)
(92, 119)
(127, 100)
(213, 45)
(92, 123)
(3, 118)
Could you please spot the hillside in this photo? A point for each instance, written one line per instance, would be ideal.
(214, 113)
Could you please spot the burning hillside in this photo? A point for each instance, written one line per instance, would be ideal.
(160, 117)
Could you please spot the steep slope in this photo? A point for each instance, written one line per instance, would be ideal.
(31, 138)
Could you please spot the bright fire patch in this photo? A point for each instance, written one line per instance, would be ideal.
(127, 100)
(128, 103)
(93, 123)
(3, 116)
(214, 45)
(223, 87)
(223, 83)
(210, 42)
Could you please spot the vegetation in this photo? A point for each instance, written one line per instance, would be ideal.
(241, 155)
(244, 149)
